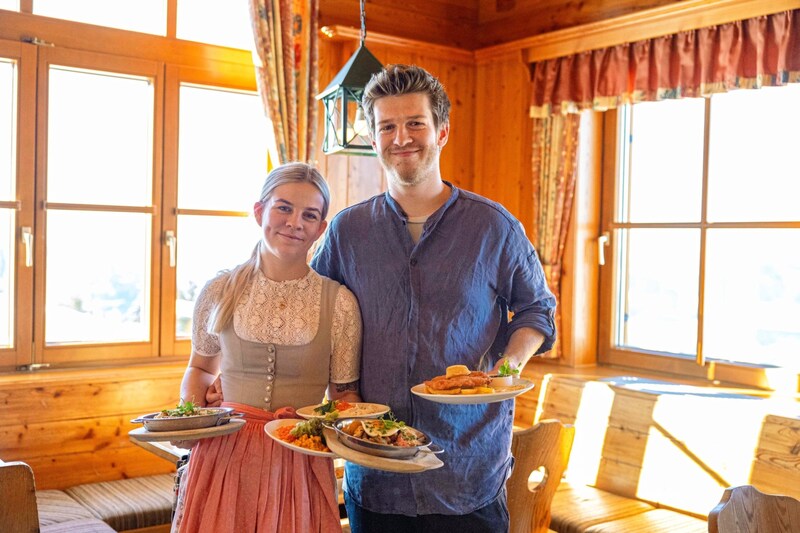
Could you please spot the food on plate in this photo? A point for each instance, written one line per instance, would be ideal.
(458, 379)
(185, 409)
(330, 409)
(306, 434)
(387, 431)
(505, 375)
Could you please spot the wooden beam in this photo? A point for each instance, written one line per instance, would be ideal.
(346, 33)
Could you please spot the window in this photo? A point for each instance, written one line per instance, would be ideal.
(126, 182)
(704, 270)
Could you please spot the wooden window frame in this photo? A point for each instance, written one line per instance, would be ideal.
(169, 62)
(711, 370)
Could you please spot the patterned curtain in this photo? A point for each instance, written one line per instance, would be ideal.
(286, 38)
(555, 149)
(747, 54)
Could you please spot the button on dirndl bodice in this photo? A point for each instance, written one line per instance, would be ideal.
(272, 375)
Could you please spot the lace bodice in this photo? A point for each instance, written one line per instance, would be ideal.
(287, 313)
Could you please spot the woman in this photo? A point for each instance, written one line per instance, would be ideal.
(280, 334)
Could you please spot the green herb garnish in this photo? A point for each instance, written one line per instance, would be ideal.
(507, 370)
(388, 422)
(326, 407)
(182, 409)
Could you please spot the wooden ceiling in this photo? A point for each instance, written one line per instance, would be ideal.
(475, 24)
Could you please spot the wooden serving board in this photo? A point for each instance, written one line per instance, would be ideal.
(234, 425)
(419, 463)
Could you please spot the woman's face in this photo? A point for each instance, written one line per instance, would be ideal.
(291, 219)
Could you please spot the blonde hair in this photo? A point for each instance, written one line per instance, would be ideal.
(238, 277)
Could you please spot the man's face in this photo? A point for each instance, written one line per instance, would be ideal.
(406, 140)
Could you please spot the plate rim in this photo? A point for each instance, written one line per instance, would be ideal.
(467, 399)
(279, 422)
(371, 415)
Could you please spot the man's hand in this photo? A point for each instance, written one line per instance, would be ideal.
(214, 394)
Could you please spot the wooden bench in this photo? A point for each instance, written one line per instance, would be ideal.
(139, 504)
(654, 456)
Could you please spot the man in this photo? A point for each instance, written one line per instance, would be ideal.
(434, 269)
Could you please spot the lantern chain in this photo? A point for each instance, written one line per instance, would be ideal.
(363, 24)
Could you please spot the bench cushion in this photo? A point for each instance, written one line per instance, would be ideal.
(81, 525)
(55, 507)
(576, 507)
(128, 503)
(655, 520)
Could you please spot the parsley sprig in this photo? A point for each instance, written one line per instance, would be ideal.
(507, 370)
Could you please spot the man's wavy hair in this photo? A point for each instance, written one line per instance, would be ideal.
(396, 80)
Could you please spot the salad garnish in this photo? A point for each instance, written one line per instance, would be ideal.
(387, 423)
(507, 370)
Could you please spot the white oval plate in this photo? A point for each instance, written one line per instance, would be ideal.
(271, 427)
(462, 399)
(361, 410)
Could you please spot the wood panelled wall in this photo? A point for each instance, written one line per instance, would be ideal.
(72, 427)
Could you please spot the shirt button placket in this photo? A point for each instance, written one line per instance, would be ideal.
(270, 377)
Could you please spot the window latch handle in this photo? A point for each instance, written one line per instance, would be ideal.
(27, 242)
(172, 243)
(602, 242)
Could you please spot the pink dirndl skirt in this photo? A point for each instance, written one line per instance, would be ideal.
(246, 482)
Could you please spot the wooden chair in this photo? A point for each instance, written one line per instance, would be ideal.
(546, 446)
(18, 512)
(745, 509)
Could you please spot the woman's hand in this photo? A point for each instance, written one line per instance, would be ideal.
(214, 396)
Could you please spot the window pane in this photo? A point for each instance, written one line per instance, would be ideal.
(7, 219)
(752, 309)
(667, 161)
(8, 150)
(207, 245)
(11, 5)
(8, 124)
(100, 138)
(147, 16)
(211, 21)
(753, 172)
(98, 277)
(660, 269)
(223, 140)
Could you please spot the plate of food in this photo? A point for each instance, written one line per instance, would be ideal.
(383, 444)
(459, 385)
(230, 426)
(300, 435)
(333, 409)
(186, 416)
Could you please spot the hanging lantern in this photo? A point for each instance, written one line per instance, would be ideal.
(346, 128)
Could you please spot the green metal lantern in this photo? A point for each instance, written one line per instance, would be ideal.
(346, 129)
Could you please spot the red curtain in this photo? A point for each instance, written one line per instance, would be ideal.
(752, 53)
(554, 160)
(286, 35)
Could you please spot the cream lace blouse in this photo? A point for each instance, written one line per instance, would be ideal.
(287, 313)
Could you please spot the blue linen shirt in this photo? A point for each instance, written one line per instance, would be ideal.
(425, 306)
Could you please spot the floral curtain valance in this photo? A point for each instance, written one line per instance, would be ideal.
(286, 35)
(751, 53)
